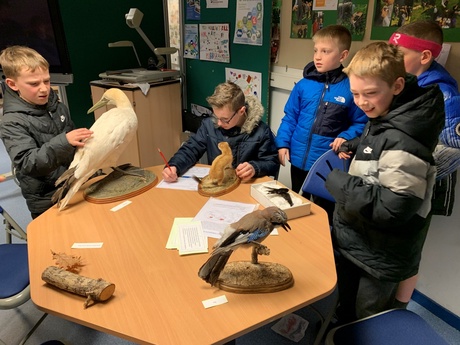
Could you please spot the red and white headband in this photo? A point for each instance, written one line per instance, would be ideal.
(414, 43)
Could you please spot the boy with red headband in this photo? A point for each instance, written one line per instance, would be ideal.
(421, 43)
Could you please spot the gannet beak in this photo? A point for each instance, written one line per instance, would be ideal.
(102, 103)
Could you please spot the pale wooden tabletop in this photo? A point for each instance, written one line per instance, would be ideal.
(158, 296)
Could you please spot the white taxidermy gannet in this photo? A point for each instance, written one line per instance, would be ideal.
(112, 132)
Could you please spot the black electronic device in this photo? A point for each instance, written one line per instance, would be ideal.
(38, 25)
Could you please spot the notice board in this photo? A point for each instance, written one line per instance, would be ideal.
(202, 76)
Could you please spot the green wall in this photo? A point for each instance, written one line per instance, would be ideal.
(203, 76)
(89, 27)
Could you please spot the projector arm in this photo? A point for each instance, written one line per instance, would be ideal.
(133, 20)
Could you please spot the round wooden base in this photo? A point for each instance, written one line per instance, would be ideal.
(118, 186)
(246, 277)
(207, 188)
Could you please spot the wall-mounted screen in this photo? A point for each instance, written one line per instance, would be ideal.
(37, 24)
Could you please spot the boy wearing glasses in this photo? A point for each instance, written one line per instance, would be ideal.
(237, 120)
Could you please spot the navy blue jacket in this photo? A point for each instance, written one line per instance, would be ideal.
(253, 143)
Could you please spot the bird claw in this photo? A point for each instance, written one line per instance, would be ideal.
(263, 250)
(124, 170)
(257, 250)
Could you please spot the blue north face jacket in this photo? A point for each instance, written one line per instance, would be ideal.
(319, 109)
(437, 74)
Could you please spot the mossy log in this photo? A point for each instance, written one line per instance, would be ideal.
(95, 290)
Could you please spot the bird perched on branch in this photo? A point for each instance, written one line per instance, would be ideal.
(112, 132)
(250, 230)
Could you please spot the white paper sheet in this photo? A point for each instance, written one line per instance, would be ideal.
(216, 214)
(186, 182)
(192, 239)
(173, 239)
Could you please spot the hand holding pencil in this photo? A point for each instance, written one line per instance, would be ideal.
(169, 172)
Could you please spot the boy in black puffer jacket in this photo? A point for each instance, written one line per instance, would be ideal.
(383, 203)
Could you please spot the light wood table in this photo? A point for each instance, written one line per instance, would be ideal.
(158, 296)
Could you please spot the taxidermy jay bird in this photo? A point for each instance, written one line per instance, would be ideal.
(250, 230)
(112, 132)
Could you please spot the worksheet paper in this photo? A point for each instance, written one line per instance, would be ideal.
(192, 239)
(186, 182)
(216, 214)
(187, 236)
(173, 239)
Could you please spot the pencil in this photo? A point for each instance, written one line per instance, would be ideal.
(164, 158)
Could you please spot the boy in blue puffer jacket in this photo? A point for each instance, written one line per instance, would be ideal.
(320, 113)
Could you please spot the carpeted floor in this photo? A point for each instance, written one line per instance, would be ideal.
(15, 323)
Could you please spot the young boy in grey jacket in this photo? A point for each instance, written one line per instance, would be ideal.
(36, 128)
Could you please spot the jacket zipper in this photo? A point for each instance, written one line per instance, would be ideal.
(310, 135)
(52, 121)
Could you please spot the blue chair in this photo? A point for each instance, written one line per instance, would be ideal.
(14, 270)
(316, 178)
(395, 327)
(314, 184)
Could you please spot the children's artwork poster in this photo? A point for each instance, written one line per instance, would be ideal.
(191, 47)
(391, 14)
(216, 3)
(250, 82)
(214, 42)
(309, 16)
(249, 22)
(193, 10)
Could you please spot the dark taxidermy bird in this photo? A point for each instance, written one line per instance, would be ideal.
(250, 230)
(283, 192)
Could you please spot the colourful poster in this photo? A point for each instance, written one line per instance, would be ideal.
(391, 14)
(191, 47)
(353, 14)
(214, 42)
(309, 16)
(250, 82)
(193, 10)
(249, 22)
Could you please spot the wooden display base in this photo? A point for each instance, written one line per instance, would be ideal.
(207, 188)
(246, 277)
(118, 186)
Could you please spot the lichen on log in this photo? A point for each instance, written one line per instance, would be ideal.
(95, 290)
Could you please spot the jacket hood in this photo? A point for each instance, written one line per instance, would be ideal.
(437, 74)
(15, 104)
(422, 117)
(333, 76)
(254, 112)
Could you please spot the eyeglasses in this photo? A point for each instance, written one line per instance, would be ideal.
(226, 121)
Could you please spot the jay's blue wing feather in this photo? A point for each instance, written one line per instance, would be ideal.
(250, 230)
